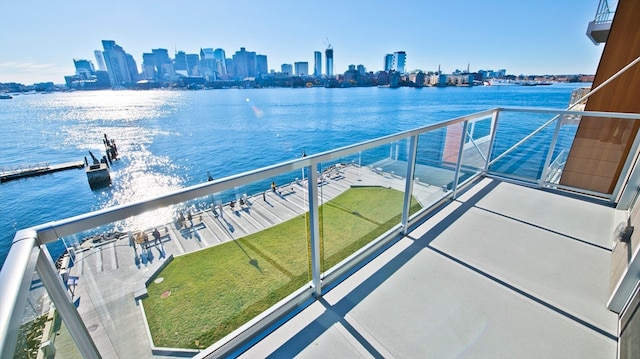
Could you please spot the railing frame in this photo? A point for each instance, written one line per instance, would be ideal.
(29, 254)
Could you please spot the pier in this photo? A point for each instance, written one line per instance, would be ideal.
(37, 170)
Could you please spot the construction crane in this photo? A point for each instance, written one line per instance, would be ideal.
(327, 43)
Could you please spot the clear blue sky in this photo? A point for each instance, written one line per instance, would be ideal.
(40, 38)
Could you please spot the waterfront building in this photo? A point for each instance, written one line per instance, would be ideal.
(180, 63)
(100, 60)
(148, 66)
(192, 64)
(361, 69)
(164, 66)
(287, 69)
(438, 80)
(418, 78)
(121, 66)
(301, 68)
(229, 64)
(317, 63)
(398, 61)
(84, 68)
(460, 79)
(86, 77)
(157, 65)
(244, 64)
(208, 67)
(388, 62)
(221, 63)
(261, 65)
(328, 53)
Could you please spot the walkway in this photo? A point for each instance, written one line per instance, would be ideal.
(504, 271)
(110, 271)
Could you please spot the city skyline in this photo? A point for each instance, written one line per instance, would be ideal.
(454, 35)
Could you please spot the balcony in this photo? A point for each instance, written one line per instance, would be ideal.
(598, 29)
(471, 247)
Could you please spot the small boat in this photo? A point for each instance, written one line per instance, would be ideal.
(500, 82)
(5, 96)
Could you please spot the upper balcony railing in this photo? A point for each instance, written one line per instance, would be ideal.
(606, 10)
(598, 29)
(247, 254)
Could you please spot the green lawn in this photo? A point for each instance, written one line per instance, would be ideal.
(216, 290)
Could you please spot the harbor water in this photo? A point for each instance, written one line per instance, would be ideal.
(169, 139)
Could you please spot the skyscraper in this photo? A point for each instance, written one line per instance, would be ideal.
(100, 60)
(148, 66)
(192, 64)
(208, 67)
(302, 68)
(221, 63)
(121, 66)
(388, 62)
(317, 63)
(180, 62)
(164, 67)
(399, 59)
(287, 69)
(244, 64)
(328, 53)
(261, 65)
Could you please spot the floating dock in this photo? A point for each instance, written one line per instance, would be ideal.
(32, 171)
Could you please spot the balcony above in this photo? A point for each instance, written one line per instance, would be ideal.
(598, 29)
(598, 32)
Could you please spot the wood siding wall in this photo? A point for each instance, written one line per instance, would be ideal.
(601, 146)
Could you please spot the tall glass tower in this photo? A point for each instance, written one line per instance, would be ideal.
(317, 63)
(328, 53)
(399, 60)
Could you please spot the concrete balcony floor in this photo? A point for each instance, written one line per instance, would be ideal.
(503, 271)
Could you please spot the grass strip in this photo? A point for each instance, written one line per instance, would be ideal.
(207, 294)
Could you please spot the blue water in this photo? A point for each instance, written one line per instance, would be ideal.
(170, 139)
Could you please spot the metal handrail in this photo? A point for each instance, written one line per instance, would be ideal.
(571, 106)
(605, 11)
(28, 243)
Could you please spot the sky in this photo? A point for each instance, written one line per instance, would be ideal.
(40, 38)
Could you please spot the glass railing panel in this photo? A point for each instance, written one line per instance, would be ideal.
(526, 161)
(358, 203)
(476, 147)
(202, 268)
(436, 157)
(566, 135)
(42, 332)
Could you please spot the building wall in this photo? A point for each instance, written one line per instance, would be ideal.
(597, 156)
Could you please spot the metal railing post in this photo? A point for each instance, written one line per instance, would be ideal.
(552, 147)
(624, 174)
(58, 293)
(15, 278)
(314, 228)
(492, 141)
(408, 188)
(459, 163)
